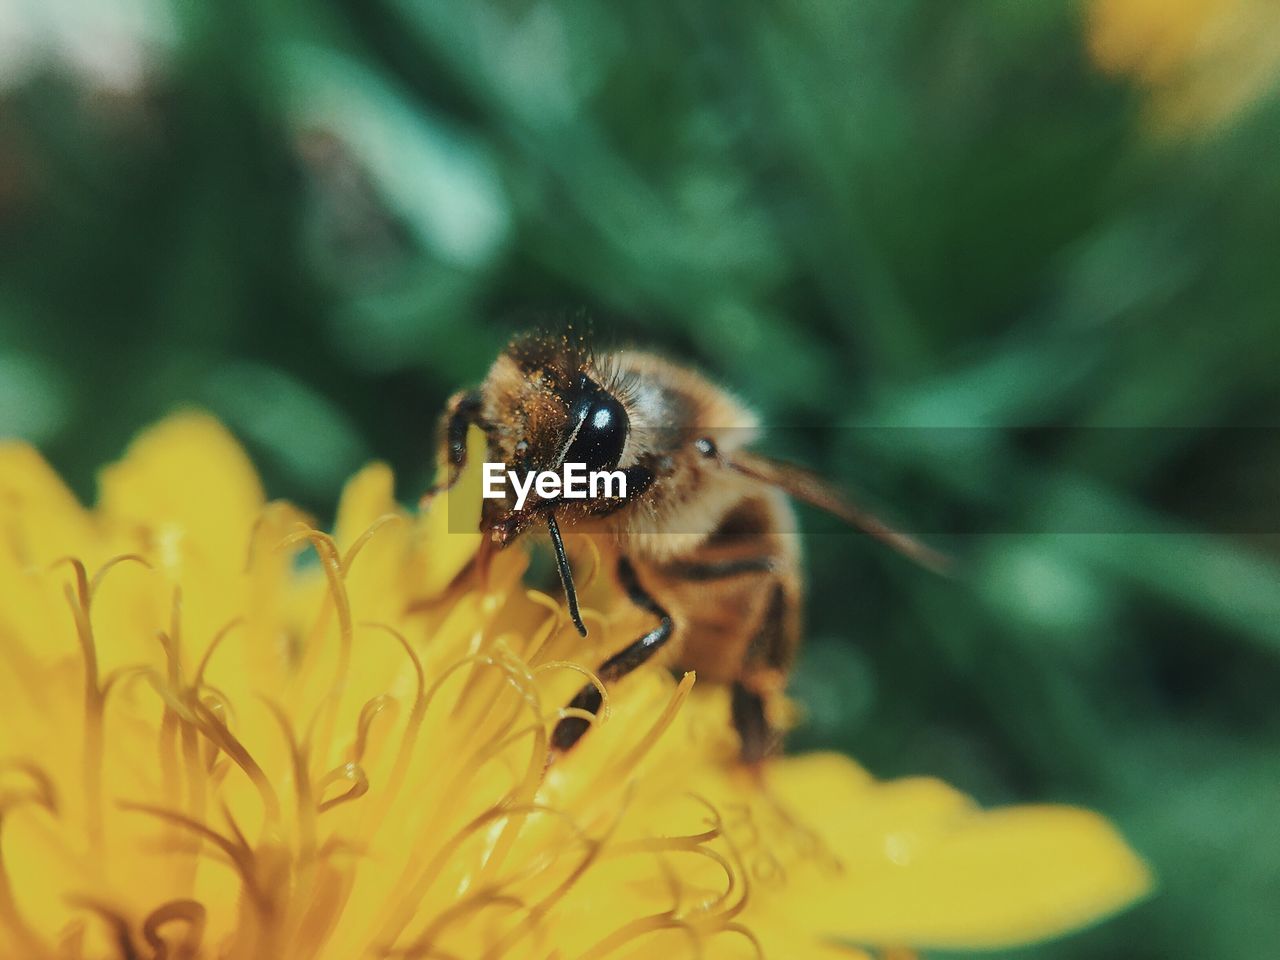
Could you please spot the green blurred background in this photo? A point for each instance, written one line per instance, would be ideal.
(1059, 223)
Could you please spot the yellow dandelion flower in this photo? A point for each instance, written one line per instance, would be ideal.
(1202, 60)
(212, 746)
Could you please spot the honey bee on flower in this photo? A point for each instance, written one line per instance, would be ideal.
(697, 533)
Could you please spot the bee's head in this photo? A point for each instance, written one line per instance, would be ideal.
(550, 406)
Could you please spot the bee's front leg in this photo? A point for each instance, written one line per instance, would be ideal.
(462, 410)
(570, 729)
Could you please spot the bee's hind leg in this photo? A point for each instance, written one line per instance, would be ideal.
(763, 673)
(758, 738)
(570, 729)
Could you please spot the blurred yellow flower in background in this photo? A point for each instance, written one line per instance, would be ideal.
(1202, 60)
(210, 747)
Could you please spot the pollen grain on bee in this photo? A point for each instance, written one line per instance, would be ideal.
(572, 482)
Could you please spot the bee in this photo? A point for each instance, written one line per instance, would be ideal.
(702, 538)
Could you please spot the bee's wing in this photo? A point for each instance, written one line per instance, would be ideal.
(808, 487)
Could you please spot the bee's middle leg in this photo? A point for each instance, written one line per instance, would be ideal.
(570, 729)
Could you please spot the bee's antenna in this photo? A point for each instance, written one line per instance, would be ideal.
(566, 574)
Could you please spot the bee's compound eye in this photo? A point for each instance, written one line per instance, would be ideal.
(602, 431)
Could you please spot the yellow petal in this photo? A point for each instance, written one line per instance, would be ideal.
(367, 497)
(43, 518)
(186, 488)
(372, 527)
(924, 867)
(1006, 877)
